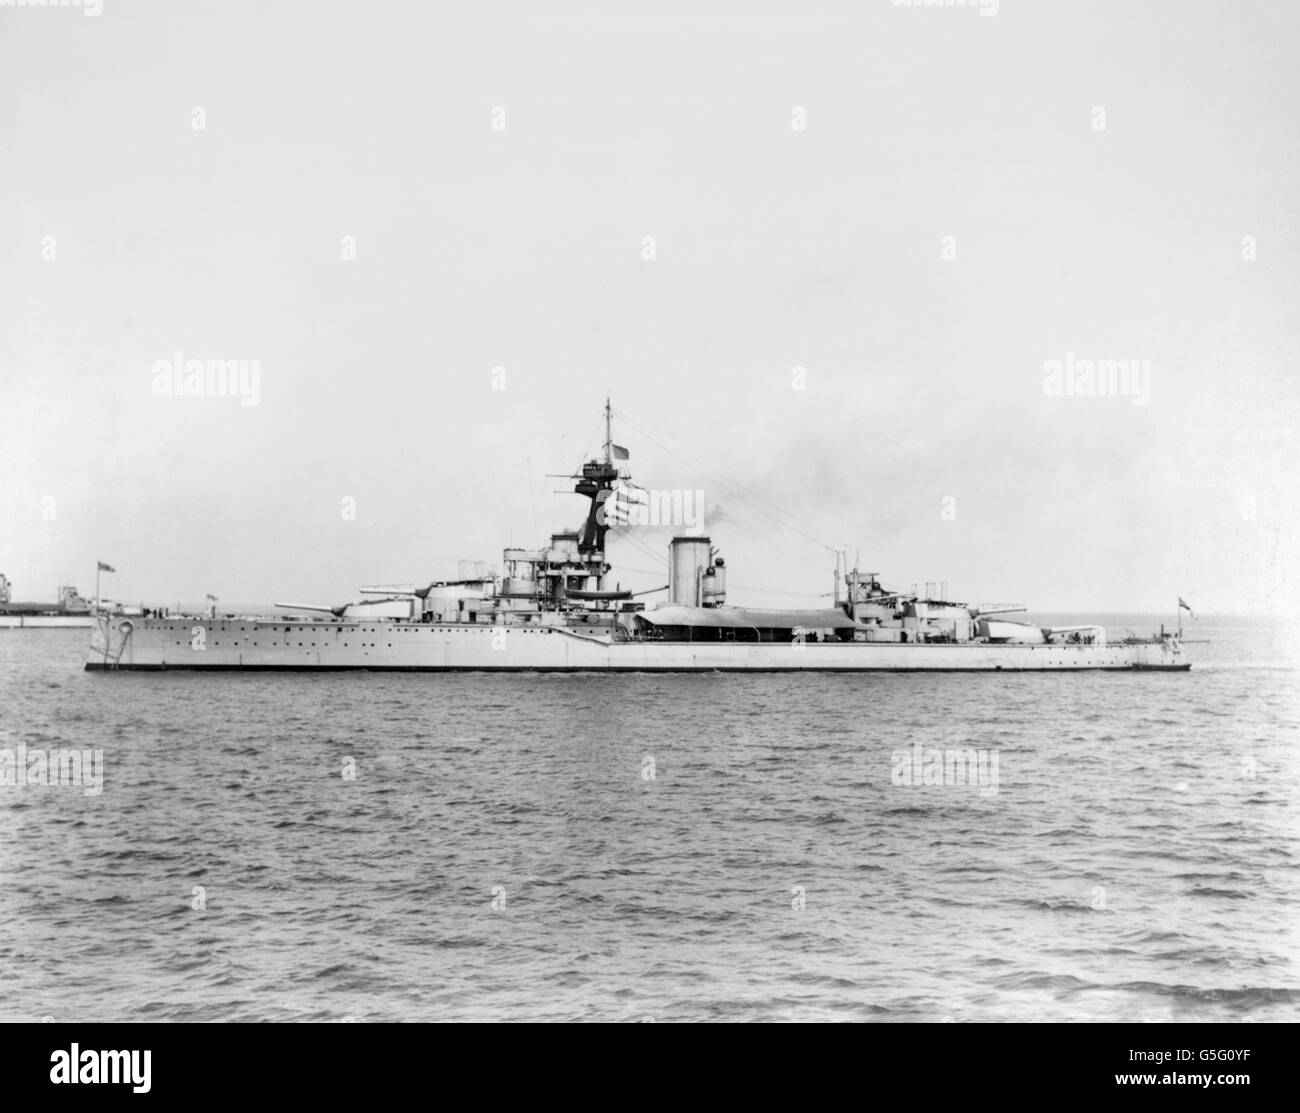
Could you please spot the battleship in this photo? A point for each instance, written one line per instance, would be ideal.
(553, 610)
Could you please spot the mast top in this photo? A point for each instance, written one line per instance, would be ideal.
(609, 436)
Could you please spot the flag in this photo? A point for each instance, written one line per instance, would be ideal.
(211, 598)
(106, 567)
(1185, 607)
(620, 453)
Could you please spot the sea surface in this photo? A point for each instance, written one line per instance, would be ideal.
(655, 847)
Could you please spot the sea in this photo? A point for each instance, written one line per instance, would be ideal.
(620, 848)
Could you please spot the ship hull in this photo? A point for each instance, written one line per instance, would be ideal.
(247, 645)
(46, 621)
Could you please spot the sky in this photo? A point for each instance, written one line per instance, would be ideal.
(824, 259)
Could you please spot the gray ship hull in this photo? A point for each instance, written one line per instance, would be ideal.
(46, 621)
(251, 645)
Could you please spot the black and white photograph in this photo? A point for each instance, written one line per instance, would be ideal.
(594, 513)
